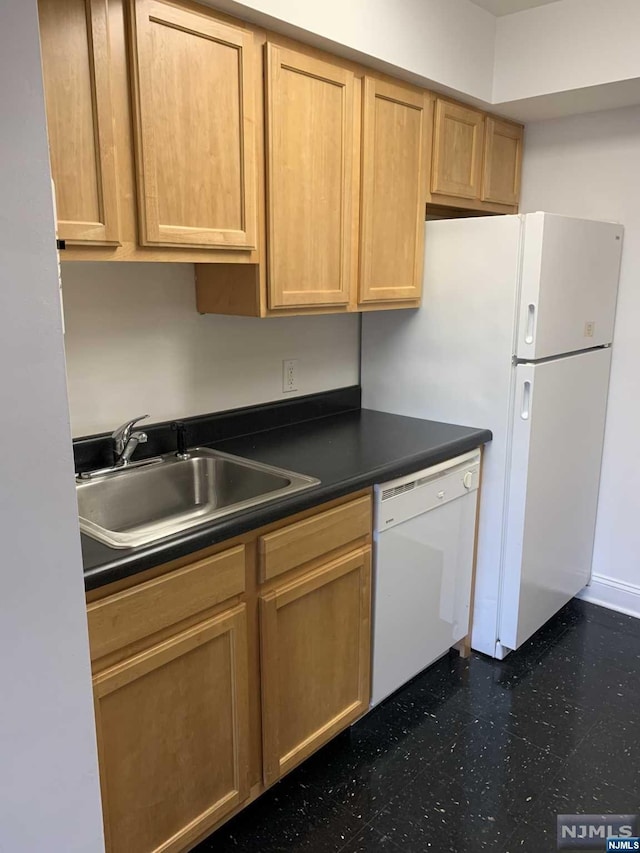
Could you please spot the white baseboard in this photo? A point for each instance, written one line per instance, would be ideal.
(614, 594)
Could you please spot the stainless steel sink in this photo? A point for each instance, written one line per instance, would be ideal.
(136, 506)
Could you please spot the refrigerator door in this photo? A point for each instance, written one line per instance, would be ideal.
(569, 285)
(558, 429)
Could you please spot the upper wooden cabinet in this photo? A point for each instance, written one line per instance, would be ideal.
(296, 181)
(75, 47)
(347, 185)
(502, 161)
(395, 133)
(195, 128)
(311, 174)
(457, 150)
(477, 159)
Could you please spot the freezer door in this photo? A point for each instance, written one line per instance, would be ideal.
(569, 285)
(558, 430)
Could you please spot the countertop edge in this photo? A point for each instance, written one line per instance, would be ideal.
(238, 524)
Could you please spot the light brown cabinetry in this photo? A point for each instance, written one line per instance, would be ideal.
(458, 134)
(295, 180)
(171, 691)
(347, 157)
(121, 621)
(311, 176)
(173, 736)
(75, 48)
(193, 82)
(315, 637)
(502, 161)
(395, 134)
(214, 677)
(312, 537)
(183, 186)
(346, 184)
(477, 159)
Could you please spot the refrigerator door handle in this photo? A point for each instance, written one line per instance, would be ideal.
(525, 411)
(531, 323)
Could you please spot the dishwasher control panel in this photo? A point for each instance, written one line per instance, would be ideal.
(409, 496)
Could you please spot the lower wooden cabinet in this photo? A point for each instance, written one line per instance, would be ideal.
(315, 634)
(216, 675)
(173, 736)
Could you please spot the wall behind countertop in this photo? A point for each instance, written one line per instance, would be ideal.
(136, 344)
(589, 166)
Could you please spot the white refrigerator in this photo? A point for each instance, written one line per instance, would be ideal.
(514, 334)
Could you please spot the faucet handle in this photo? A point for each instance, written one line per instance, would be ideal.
(122, 434)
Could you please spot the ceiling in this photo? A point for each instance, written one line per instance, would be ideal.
(506, 7)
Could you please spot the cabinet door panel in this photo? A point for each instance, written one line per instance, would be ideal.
(393, 192)
(75, 62)
(195, 145)
(502, 161)
(310, 179)
(173, 736)
(457, 150)
(315, 663)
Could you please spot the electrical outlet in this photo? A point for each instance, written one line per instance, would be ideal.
(290, 375)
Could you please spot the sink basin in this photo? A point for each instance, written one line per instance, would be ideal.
(136, 506)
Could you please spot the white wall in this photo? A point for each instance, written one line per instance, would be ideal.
(567, 45)
(590, 166)
(447, 42)
(562, 58)
(49, 795)
(136, 344)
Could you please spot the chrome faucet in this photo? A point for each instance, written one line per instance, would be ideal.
(125, 441)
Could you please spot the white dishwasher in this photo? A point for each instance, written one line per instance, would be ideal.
(423, 564)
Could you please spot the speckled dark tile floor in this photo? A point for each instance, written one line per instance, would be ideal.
(472, 755)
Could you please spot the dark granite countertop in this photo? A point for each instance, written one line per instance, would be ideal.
(345, 451)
